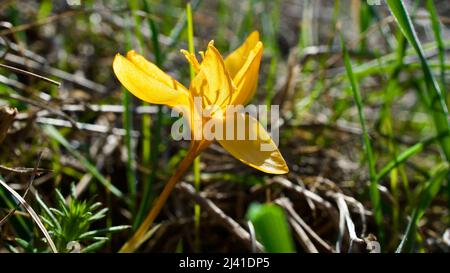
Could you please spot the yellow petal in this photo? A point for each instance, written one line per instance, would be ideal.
(256, 148)
(147, 88)
(246, 79)
(237, 58)
(202, 53)
(212, 82)
(153, 71)
(191, 59)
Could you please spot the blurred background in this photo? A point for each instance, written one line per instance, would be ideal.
(89, 158)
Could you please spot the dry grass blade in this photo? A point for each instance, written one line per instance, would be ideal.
(108, 108)
(305, 241)
(7, 115)
(318, 200)
(35, 169)
(216, 212)
(23, 171)
(39, 23)
(287, 205)
(95, 128)
(32, 214)
(361, 210)
(148, 235)
(24, 72)
(42, 105)
(10, 46)
(61, 74)
(343, 209)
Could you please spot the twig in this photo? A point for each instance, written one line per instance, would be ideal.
(22, 171)
(307, 244)
(309, 194)
(28, 73)
(215, 211)
(12, 83)
(252, 232)
(85, 126)
(345, 214)
(362, 212)
(107, 108)
(75, 79)
(42, 105)
(25, 52)
(287, 205)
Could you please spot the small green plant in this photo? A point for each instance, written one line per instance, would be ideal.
(69, 225)
(271, 227)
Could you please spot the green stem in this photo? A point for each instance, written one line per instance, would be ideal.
(190, 30)
(367, 145)
(150, 149)
(191, 48)
(128, 124)
(146, 124)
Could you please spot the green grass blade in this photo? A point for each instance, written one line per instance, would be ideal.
(146, 123)
(248, 20)
(334, 20)
(196, 165)
(270, 83)
(389, 60)
(402, 157)
(306, 28)
(431, 190)
(374, 193)
(271, 227)
(159, 57)
(47, 211)
(434, 99)
(32, 213)
(128, 125)
(98, 232)
(438, 37)
(45, 9)
(146, 119)
(94, 246)
(386, 125)
(270, 21)
(134, 7)
(190, 35)
(176, 32)
(365, 20)
(222, 16)
(150, 149)
(55, 134)
(436, 102)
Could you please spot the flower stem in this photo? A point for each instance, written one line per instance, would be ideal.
(136, 240)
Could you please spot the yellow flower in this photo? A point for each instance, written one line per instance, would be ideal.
(218, 82)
